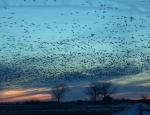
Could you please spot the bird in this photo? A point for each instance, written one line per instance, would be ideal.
(102, 43)
(5, 7)
(92, 35)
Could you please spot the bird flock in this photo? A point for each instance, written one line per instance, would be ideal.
(87, 40)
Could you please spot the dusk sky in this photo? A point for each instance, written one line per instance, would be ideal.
(47, 42)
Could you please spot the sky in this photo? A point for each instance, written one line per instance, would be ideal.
(48, 42)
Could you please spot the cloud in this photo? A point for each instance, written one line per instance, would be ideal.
(130, 95)
(25, 94)
(33, 72)
(127, 87)
(34, 63)
(132, 86)
(41, 97)
(114, 71)
(139, 78)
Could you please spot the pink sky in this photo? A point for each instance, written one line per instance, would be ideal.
(36, 94)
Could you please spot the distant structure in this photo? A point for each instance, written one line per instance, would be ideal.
(107, 100)
(79, 102)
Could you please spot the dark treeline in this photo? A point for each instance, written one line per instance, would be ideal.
(78, 102)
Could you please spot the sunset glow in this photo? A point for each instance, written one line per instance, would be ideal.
(23, 95)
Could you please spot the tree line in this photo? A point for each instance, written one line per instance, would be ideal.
(95, 91)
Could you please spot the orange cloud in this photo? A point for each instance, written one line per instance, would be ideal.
(40, 97)
(28, 94)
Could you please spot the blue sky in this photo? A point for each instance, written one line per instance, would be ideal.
(77, 42)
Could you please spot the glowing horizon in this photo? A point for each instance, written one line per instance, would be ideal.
(24, 95)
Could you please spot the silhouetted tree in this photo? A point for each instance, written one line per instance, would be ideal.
(144, 97)
(59, 91)
(93, 91)
(100, 89)
(107, 89)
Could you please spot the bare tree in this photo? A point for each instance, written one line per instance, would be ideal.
(93, 91)
(144, 97)
(98, 90)
(59, 91)
(107, 89)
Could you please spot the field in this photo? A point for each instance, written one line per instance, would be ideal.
(67, 109)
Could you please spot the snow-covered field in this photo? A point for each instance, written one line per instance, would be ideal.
(136, 109)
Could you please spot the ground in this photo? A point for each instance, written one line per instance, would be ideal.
(136, 109)
(68, 109)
